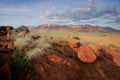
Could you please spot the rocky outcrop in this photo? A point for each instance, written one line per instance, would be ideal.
(64, 63)
(5, 32)
(5, 37)
(6, 48)
(54, 66)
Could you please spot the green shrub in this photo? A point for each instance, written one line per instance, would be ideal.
(113, 46)
(22, 28)
(18, 63)
(77, 38)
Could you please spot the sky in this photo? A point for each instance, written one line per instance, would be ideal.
(104, 13)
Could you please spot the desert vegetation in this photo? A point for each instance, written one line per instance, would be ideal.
(77, 38)
(55, 55)
(31, 45)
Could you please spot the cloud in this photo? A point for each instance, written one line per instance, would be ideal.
(107, 15)
(91, 0)
(14, 11)
(117, 20)
(51, 13)
(86, 13)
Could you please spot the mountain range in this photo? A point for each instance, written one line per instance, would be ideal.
(79, 28)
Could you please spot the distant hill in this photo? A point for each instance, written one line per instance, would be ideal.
(83, 28)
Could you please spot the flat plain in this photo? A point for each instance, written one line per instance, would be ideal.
(105, 39)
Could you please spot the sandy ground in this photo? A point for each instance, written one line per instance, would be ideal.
(109, 40)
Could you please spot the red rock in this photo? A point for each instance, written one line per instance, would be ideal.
(10, 45)
(4, 58)
(61, 59)
(5, 72)
(3, 30)
(55, 58)
(7, 45)
(8, 28)
(60, 44)
(54, 66)
(115, 55)
(86, 53)
(65, 49)
(8, 36)
(74, 43)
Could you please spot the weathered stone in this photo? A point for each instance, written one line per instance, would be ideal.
(115, 55)
(74, 43)
(86, 54)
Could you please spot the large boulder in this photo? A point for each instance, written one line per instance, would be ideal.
(88, 53)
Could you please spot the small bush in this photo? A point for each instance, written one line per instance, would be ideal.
(102, 35)
(51, 37)
(113, 46)
(22, 28)
(77, 38)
